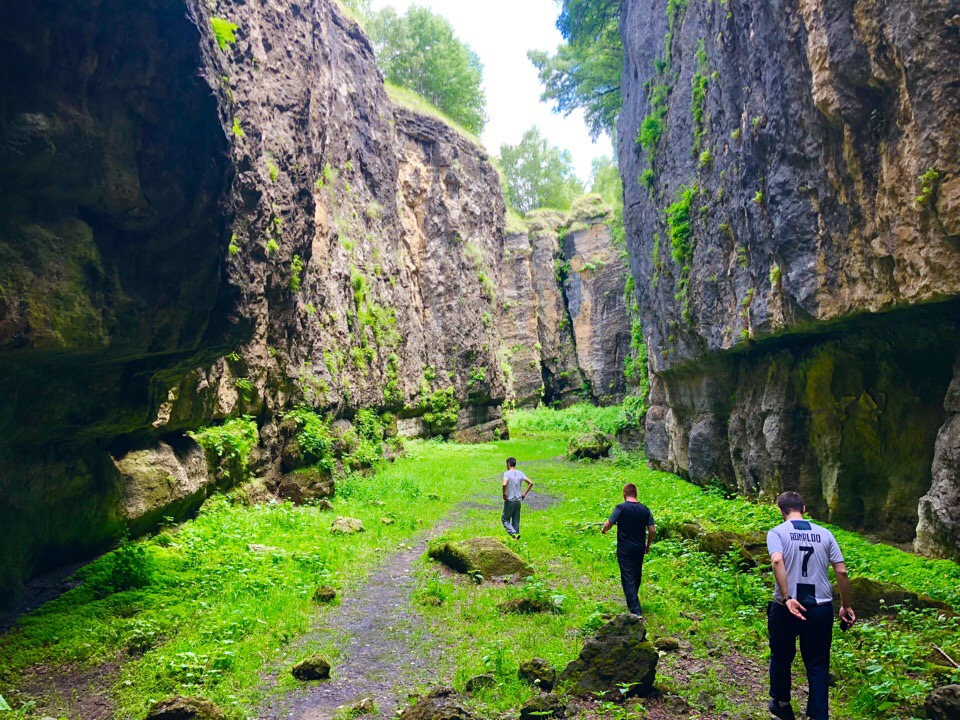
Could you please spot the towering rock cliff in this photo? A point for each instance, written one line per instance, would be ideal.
(792, 193)
(566, 330)
(214, 209)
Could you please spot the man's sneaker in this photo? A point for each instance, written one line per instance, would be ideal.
(784, 712)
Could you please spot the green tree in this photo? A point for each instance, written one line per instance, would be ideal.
(605, 181)
(538, 174)
(585, 71)
(419, 51)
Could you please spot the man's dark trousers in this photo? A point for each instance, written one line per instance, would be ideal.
(816, 634)
(631, 572)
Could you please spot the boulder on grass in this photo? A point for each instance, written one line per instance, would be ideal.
(666, 644)
(526, 606)
(346, 526)
(618, 655)
(870, 598)
(546, 705)
(750, 548)
(484, 556)
(591, 446)
(480, 681)
(313, 668)
(305, 485)
(439, 704)
(324, 595)
(539, 672)
(185, 708)
(943, 703)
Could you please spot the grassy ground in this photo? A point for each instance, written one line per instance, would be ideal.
(215, 619)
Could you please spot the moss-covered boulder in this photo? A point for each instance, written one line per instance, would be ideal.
(526, 606)
(346, 526)
(870, 598)
(439, 704)
(478, 682)
(185, 708)
(590, 446)
(312, 668)
(539, 672)
(750, 548)
(306, 485)
(546, 705)
(943, 703)
(485, 557)
(324, 595)
(618, 655)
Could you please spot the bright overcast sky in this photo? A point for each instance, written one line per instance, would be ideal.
(501, 32)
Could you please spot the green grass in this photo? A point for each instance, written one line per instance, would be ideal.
(205, 616)
(414, 101)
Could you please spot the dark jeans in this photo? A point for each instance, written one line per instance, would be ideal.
(631, 572)
(816, 634)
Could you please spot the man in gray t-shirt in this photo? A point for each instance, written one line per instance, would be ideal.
(513, 496)
(801, 553)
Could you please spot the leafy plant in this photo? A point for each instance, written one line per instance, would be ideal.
(224, 31)
(442, 411)
(273, 171)
(296, 267)
(228, 446)
(237, 129)
(928, 184)
(272, 246)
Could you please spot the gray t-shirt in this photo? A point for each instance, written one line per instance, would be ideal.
(808, 551)
(513, 479)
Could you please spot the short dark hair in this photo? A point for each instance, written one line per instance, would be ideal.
(790, 501)
(511, 462)
(630, 490)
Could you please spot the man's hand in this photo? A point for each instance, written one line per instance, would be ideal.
(847, 614)
(606, 527)
(796, 609)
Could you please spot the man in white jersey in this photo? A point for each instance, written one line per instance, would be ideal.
(802, 605)
(513, 481)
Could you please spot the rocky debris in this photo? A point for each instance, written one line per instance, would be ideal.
(346, 526)
(324, 595)
(363, 706)
(254, 492)
(666, 644)
(185, 708)
(706, 700)
(943, 703)
(478, 682)
(311, 668)
(617, 655)
(676, 705)
(526, 606)
(325, 505)
(870, 598)
(485, 557)
(539, 672)
(545, 705)
(260, 548)
(750, 548)
(439, 704)
(387, 521)
(589, 446)
(305, 485)
(938, 529)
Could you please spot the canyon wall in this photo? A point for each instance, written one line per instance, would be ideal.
(209, 210)
(792, 205)
(565, 323)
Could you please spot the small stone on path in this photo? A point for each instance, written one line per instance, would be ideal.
(313, 668)
(324, 594)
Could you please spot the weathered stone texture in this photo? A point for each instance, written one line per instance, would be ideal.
(814, 210)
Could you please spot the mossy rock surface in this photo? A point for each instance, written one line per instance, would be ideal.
(617, 655)
(324, 595)
(305, 485)
(185, 708)
(751, 548)
(539, 672)
(546, 705)
(526, 606)
(312, 668)
(439, 704)
(479, 682)
(943, 703)
(590, 446)
(870, 598)
(484, 556)
(346, 526)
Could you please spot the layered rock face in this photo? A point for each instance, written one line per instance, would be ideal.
(212, 210)
(565, 327)
(792, 200)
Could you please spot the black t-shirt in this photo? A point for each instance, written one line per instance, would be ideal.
(632, 520)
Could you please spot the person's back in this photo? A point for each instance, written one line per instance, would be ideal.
(808, 551)
(632, 520)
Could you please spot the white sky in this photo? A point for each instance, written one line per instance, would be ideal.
(501, 32)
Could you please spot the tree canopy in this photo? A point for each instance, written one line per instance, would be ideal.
(585, 71)
(605, 181)
(419, 51)
(538, 174)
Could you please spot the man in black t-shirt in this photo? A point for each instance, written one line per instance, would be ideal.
(635, 530)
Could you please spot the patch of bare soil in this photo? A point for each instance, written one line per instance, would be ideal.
(65, 691)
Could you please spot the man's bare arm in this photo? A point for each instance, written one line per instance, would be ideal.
(504, 489)
(651, 532)
(843, 584)
(529, 483)
(606, 527)
(780, 573)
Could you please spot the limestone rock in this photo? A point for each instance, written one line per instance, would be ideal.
(943, 703)
(870, 598)
(363, 706)
(526, 606)
(312, 668)
(590, 446)
(346, 526)
(751, 548)
(478, 682)
(185, 708)
(539, 672)
(324, 595)
(484, 556)
(618, 654)
(546, 705)
(439, 704)
(306, 485)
